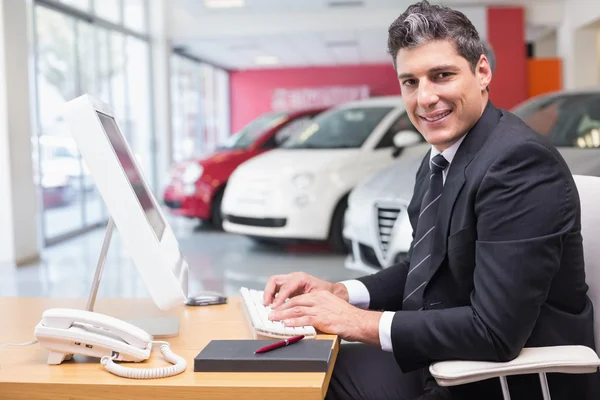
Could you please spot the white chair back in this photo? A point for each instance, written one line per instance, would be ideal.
(589, 194)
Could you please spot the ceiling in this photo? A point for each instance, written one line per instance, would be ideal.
(302, 33)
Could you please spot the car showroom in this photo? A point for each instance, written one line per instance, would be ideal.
(261, 138)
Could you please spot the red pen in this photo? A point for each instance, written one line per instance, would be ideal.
(282, 343)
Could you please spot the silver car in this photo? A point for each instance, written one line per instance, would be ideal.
(377, 228)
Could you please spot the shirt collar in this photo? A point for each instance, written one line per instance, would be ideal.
(449, 153)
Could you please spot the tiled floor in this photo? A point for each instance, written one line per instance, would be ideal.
(218, 261)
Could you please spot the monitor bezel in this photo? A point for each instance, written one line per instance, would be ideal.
(159, 261)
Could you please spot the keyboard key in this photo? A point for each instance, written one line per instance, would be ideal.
(259, 318)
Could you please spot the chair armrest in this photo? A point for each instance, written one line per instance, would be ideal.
(531, 360)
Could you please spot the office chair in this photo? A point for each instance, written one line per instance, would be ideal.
(542, 360)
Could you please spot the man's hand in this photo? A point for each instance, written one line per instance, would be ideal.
(297, 283)
(329, 313)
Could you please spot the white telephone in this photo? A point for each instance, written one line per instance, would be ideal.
(65, 332)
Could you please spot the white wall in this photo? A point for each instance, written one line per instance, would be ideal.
(6, 245)
(546, 46)
(598, 50)
(18, 208)
(577, 43)
(582, 12)
(586, 58)
(544, 13)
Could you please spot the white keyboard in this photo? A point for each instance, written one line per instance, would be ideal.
(258, 316)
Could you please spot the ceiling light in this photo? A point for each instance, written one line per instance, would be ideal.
(345, 3)
(266, 60)
(223, 3)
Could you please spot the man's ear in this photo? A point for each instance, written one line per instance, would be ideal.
(483, 72)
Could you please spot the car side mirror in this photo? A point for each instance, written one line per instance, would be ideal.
(404, 139)
(407, 138)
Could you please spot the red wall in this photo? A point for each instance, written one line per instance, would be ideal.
(251, 90)
(506, 34)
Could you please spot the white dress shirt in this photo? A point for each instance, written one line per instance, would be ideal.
(358, 295)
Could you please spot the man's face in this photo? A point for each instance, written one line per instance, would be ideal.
(443, 97)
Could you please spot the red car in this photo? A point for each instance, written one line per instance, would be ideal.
(196, 186)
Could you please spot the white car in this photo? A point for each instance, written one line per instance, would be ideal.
(377, 225)
(377, 229)
(300, 190)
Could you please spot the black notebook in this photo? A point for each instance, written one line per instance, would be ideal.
(307, 355)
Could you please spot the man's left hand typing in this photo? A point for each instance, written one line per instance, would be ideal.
(329, 314)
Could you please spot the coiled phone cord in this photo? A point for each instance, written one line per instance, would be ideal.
(148, 373)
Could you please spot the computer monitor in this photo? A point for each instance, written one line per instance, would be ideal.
(132, 206)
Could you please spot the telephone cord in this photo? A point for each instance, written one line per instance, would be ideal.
(18, 344)
(149, 373)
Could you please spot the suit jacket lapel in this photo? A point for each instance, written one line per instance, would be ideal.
(455, 180)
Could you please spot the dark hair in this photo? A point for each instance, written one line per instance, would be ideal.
(423, 22)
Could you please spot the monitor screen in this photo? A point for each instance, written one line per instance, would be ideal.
(133, 174)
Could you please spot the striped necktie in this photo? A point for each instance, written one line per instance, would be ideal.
(421, 252)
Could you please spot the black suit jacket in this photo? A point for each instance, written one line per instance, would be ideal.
(507, 267)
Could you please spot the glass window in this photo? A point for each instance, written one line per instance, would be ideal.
(109, 10)
(75, 56)
(200, 108)
(541, 114)
(571, 120)
(186, 113)
(86, 56)
(288, 131)
(81, 4)
(254, 130)
(292, 129)
(344, 128)
(117, 82)
(56, 77)
(134, 12)
(104, 65)
(208, 128)
(88, 83)
(222, 104)
(403, 123)
(138, 107)
(56, 81)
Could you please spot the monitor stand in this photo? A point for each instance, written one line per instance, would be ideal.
(158, 327)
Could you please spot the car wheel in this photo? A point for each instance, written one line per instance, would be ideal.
(216, 214)
(336, 237)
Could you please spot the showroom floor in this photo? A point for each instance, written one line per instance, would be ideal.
(218, 261)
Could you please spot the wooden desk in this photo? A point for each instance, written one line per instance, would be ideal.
(24, 373)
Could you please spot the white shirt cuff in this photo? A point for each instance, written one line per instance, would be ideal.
(358, 294)
(385, 330)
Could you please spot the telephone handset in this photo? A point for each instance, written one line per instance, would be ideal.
(65, 332)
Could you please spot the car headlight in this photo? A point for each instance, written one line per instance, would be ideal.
(303, 180)
(192, 173)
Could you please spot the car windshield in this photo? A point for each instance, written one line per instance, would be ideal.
(568, 120)
(343, 128)
(254, 130)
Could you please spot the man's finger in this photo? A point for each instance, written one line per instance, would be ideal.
(303, 300)
(285, 291)
(301, 321)
(270, 289)
(291, 302)
(295, 312)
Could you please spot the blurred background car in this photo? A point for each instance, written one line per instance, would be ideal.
(299, 192)
(59, 158)
(377, 228)
(57, 190)
(196, 186)
(377, 225)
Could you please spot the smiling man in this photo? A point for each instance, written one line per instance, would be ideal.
(496, 262)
